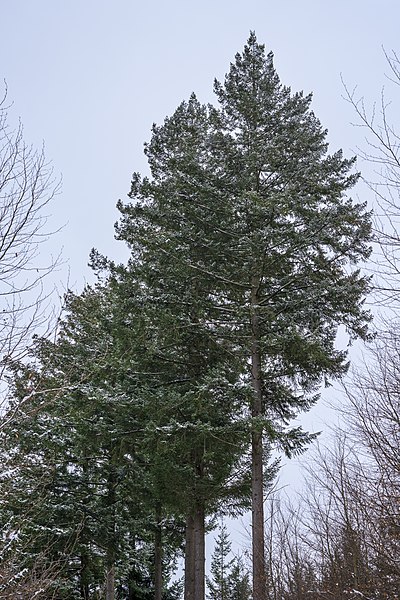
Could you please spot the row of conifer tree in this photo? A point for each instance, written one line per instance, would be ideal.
(173, 379)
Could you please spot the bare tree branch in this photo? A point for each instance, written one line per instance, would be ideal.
(27, 186)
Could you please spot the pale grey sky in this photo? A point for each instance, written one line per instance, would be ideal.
(89, 77)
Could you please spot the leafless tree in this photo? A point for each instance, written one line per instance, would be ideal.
(290, 564)
(27, 185)
(343, 540)
(373, 417)
(37, 582)
(381, 151)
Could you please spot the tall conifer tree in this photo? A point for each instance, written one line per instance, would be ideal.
(81, 446)
(229, 580)
(245, 243)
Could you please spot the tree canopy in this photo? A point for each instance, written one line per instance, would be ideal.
(174, 378)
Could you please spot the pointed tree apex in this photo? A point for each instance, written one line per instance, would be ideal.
(252, 38)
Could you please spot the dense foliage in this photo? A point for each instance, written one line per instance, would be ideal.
(173, 379)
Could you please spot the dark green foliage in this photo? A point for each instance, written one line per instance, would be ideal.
(241, 198)
(229, 580)
(79, 448)
(221, 565)
(218, 331)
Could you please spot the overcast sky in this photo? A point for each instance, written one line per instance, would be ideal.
(89, 77)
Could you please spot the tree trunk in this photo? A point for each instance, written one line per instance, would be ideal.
(110, 556)
(189, 593)
(158, 576)
(199, 552)
(195, 554)
(257, 486)
(110, 578)
(84, 536)
(83, 579)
